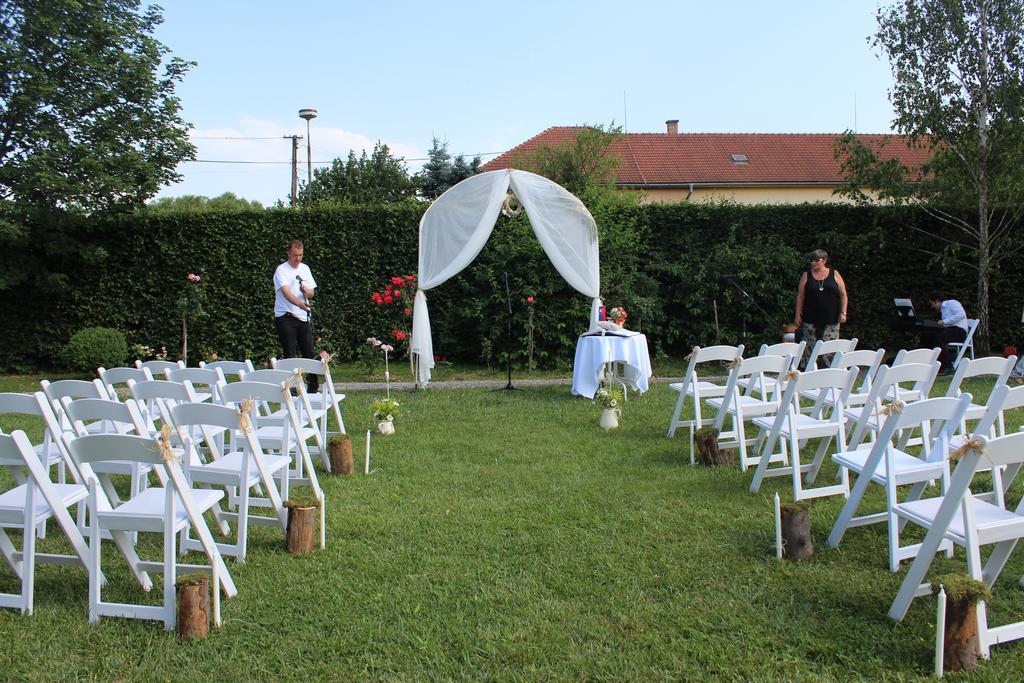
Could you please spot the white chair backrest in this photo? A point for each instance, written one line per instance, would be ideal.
(208, 377)
(313, 365)
(236, 392)
(73, 389)
(904, 356)
(122, 418)
(835, 384)
(866, 360)
(115, 376)
(159, 368)
(273, 376)
(997, 368)
(937, 418)
(757, 368)
(709, 354)
(793, 349)
(230, 368)
(825, 348)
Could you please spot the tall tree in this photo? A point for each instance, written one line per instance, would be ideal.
(959, 72)
(89, 122)
(374, 179)
(441, 172)
(587, 161)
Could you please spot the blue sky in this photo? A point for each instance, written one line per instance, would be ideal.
(486, 76)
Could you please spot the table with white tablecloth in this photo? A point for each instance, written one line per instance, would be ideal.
(594, 351)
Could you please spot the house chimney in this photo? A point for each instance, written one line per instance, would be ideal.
(672, 126)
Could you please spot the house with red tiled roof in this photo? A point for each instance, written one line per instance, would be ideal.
(749, 168)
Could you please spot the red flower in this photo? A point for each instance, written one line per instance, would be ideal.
(437, 358)
(388, 299)
(444, 358)
(410, 278)
(397, 281)
(407, 311)
(388, 288)
(529, 299)
(398, 335)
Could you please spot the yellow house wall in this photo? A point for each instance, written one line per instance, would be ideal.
(749, 195)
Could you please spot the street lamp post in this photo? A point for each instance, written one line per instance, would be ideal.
(308, 114)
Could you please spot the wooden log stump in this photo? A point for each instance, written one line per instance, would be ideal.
(796, 532)
(193, 606)
(708, 452)
(302, 521)
(339, 447)
(960, 646)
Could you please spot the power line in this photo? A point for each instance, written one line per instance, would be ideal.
(230, 138)
(227, 161)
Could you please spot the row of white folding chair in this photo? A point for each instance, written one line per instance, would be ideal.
(968, 521)
(789, 426)
(229, 368)
(767, 385)
(284, 433)
(910, 357)
(890, 381)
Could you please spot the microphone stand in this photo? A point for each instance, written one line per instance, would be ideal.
(309, 310)
(508, 353)
(747, 300)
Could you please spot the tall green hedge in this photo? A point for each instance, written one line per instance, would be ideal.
(663, 262)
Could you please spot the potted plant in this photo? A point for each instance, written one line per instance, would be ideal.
(609, 399)
(619, 315)
(384, 411)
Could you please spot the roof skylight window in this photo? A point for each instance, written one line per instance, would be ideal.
(739, 158)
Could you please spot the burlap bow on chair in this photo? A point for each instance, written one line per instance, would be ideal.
(894, 408)
(976, 444)
(693, 353)
(244, 423)
(163, 444)
(735, 363)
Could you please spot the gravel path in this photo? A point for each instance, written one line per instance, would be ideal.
(478, 383)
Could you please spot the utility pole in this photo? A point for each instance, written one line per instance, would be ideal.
(295, 166)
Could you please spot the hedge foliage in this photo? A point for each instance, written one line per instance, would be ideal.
(663, 262)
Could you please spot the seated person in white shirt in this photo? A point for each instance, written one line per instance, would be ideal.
(953, 320)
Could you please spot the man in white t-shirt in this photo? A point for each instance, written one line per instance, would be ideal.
(294, 286)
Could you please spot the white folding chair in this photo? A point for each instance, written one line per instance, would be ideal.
(767, 385)
(47, 450)
(327, 401)
(115, 418)
(230, 368)
(284, 433)
(889, 382)
(821, 349)
(697, 389)
(996, 368)
(114, 377)
(243, 468)
(890, 465)
(789, 426)
(867, 364)
(967, 345)
(307, 414)
(28, 506)
(966, 520)
(159, 368)
(904, 356)
(741, 406)
(199, 377)
(165, 394)
(167, 510)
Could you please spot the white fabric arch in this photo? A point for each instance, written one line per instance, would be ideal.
(456, 226)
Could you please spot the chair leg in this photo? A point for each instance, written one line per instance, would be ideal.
(29, 561)
(675, 414)
(170, 578)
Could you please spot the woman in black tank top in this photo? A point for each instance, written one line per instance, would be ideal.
(820, 302)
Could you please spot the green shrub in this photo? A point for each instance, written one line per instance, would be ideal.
(94, 347)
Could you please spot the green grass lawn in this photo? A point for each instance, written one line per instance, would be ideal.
(501, 535)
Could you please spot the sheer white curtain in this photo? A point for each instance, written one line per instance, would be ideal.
(456, 226)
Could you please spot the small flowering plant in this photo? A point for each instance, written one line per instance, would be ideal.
(190, 305)
(609, 398)
(618, 314)
(385, 409)
(396, 299)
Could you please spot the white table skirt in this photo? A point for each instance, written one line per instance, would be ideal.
(592, 352)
